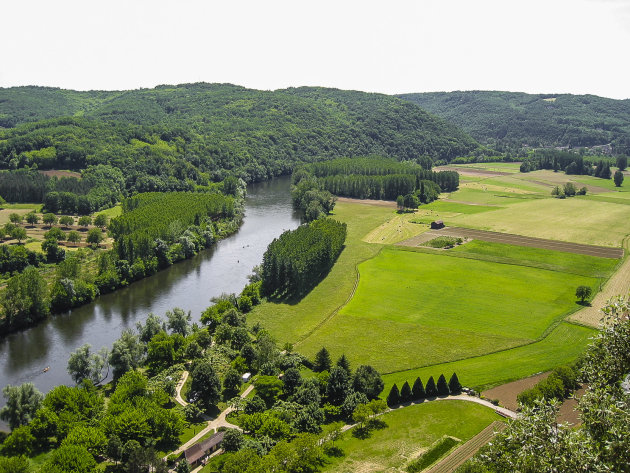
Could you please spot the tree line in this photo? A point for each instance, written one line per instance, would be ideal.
(418, 391)
(296, 260)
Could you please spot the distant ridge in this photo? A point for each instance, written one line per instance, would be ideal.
(515, 119)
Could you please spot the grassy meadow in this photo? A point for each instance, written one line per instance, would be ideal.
(409, 432)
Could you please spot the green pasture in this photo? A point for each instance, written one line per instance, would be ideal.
(582, 265)
(501, 167)
(455, 207)
(291, 321)
(409, 431)
(415, 308)
(563, 345)
(488, 197)
(574, 219)
(111, 212)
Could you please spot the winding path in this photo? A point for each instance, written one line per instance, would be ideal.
(213, 424)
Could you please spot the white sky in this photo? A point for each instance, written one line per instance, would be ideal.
(395, 46)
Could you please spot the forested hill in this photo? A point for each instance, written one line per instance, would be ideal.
(214, 128)
(513, 119)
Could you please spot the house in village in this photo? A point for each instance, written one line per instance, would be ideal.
(196, 454)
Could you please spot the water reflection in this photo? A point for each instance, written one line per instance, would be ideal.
(189, 284)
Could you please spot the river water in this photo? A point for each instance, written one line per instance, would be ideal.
(189, 284)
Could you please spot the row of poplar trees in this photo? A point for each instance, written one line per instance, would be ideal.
(418, 391)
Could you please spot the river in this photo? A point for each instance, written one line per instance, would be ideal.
(189, 284)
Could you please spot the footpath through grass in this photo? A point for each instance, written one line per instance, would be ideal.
(410, 431)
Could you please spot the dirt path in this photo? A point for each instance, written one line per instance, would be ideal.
(617, 285)
(519, 240)
(380, 203)
(213, 424)
(178, 389)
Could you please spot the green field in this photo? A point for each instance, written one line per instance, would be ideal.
(563, 345)
(575, 219)
(291, 322)
(413, 309)
(409, 432)
(582, 265)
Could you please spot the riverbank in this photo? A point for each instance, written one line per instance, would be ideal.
(189, 284)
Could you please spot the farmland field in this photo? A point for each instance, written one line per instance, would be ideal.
(409, 432)
(418, 302)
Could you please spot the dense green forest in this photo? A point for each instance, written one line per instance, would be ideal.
(371, 177)
(298, 259)
(173, 137)
(511, 120)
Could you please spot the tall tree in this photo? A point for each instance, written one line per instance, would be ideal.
(322, 361)
(368, 381)
(22, 403)
(205, 387)
(417, 390)
(393, 398)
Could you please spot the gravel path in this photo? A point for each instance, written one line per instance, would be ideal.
(213, 424)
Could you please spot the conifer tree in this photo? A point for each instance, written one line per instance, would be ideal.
(454, 384)
(442, 386)
(417, 391)
(393, 398)
(430, 389)
(322, 361)
(405, 392)
(343, 362)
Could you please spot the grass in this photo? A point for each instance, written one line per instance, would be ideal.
(111, 212)
(191, 430)
(583, 265)
(488, 197)
(399, 228)
(444, 206)
(292, 322)
(563, 345)
(575, 219)
(410, 431)
(414, 302)
(433, 454)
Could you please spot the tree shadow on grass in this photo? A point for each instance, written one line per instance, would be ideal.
(584, 303)
(334, 451)
(294, 298)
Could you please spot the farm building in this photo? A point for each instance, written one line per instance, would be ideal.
(437, 224)
(198, 452)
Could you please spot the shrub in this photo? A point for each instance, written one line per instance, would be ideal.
(405, 392)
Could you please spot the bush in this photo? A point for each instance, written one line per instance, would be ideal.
(453, 385)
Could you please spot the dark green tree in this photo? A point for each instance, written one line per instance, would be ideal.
(343, 362)
(338, 385)
(453, 384)
(417, 390)
(393, 398)
(368, 381)
(622, 162)
(205, 387)
(322, 361)
(583, 293)
(291, 380)
(442, 386)
(405, 392)
(231, 383)
(618, 178)
(430, 389)
(233, 440)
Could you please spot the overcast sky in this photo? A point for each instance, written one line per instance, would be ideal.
(575, 46)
